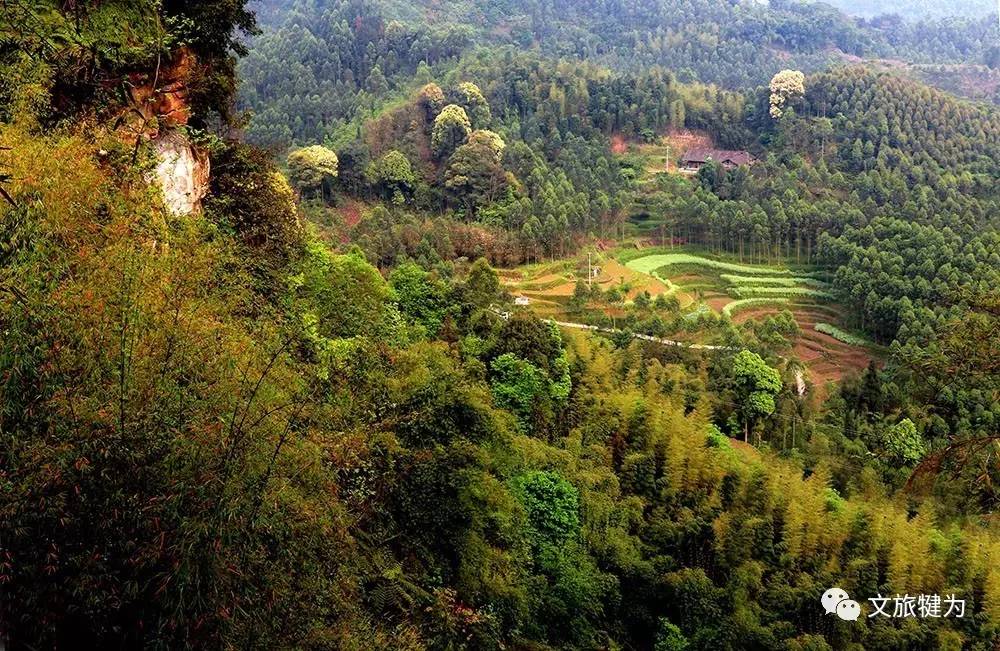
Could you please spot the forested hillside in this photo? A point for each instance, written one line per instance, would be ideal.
(318, 395)
(347, 55)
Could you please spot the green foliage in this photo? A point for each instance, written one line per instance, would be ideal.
(552, 506)
(470, 98)
(778, 292)
(840, 335)
(174, 432)
(530, 374)
(312, 168)
(529, 338)
(391, 175)
(902, 443)
(694, 598)
(421, 298)
(277, 461)
(807, 642)
(519, 386)
(561, 382)
(482, 285)
(347, 295)
(755, 281)
(252, 198)
(725, 46)
(670, 638)
(474, 175)
(834, 502)
(305, 474)
(81, 42)
(24, 88)
(668, 301)
(581, 295)
(451, 129)
(756, 385)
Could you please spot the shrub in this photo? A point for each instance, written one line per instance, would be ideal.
(253, 199)
(551, 504)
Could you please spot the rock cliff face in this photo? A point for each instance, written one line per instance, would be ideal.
(182, 172)
(161, 99)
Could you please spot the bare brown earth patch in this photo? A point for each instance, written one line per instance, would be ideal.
(351, 212)
(683, 139)
(718, 302)
(618, 144)
(826, 359)
(613, 272)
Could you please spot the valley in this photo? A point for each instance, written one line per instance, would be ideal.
(499, 325)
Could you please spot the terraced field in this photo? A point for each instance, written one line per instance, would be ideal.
(744, 292)
(717, 279)
(778, 292)
(764, 281)
(702, 285)
(549, 286)
(664, 262)
(825, 357)
(737, 307)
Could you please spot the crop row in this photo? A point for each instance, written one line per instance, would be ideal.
(650, 263)
(763, 281)
(840, 335)
(776, 292)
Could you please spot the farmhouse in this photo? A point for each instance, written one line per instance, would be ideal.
(694, 159)
(521, 300)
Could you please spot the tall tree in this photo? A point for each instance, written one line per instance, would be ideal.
(312, 168)
(451, 129)
(756, 386)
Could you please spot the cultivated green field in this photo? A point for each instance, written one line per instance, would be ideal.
(760, 281)
(662, 261)
(774, 292)
(841, 335)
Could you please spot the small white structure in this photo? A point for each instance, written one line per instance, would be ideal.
(521, 300)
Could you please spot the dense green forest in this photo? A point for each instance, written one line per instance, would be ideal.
(262, 384)
(347, 55)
